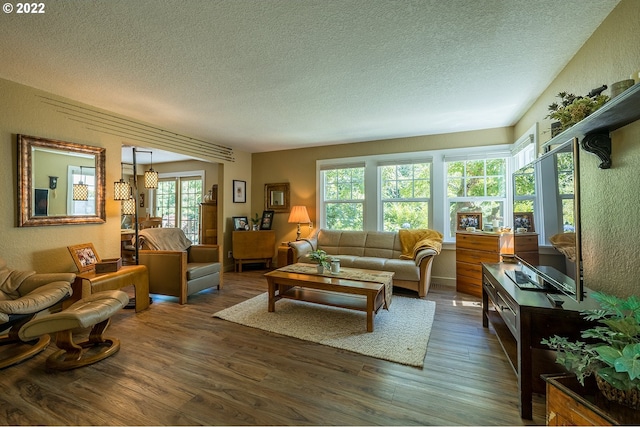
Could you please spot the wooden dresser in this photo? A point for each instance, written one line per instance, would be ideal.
(250, 247)
(474, 248)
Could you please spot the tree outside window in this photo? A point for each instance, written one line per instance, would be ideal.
(343, 198)
(405, 194)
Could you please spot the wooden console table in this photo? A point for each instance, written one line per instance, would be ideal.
(90, 282)
(521, 319)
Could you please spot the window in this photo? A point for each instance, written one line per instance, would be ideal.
(405, 195)
(565, 167)
(343, 198)
(415, 189)
(177, 201)
(476, 185)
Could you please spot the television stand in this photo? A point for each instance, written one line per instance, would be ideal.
(521, 319)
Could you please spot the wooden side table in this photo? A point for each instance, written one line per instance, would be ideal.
(90, 282)
(285, 254)
(252, 247)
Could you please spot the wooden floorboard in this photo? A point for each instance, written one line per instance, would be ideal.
(180, 366)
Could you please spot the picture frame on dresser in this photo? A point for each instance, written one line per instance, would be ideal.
(240, 223)
(267, 220)
(523, 220)
(469, 219)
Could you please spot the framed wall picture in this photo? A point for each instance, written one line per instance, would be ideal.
(84, 256)
(240, 223)
(267, 220)
(239, 191)
(469, 219)
(523, 220)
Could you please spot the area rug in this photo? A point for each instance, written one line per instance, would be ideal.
(400, 334)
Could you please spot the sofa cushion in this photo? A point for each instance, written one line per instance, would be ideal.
(200, 269)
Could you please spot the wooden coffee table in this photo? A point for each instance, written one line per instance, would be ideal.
(352, 288)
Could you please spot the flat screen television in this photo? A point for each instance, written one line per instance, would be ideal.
(546, 193)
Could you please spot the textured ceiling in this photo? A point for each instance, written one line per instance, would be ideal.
(262, 75)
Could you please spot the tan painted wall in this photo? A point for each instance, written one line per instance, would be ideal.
(610, 198)
(610, 55)
(298, 167)
(22, 111)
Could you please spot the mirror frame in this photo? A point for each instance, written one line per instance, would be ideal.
(26, 217)
(268, 188)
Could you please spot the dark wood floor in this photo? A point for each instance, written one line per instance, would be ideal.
(180, 366)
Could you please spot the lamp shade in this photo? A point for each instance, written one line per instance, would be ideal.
(298, 214)
(129, 206)
(121, 190)
(80, 191)
(151, 179)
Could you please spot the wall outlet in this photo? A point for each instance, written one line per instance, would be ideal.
(311, 225)
(230, 254)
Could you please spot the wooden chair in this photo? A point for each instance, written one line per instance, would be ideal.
(153, 222)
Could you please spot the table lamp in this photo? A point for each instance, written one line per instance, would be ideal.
(298, 214)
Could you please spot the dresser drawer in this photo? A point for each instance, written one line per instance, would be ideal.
(472, 271)
(500, 243)
(469, 286)
(526, 243)
(476, 257)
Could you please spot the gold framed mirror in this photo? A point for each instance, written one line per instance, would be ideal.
(48, 171)
(276, 197)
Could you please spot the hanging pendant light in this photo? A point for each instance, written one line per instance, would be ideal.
(121, 189)
(151, 176)
(80, 190)
(129, 206)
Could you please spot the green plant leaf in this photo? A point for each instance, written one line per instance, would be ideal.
(608, 354)
(619, 380)
(630, 361)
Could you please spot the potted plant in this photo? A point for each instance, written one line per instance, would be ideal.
(321, 257)
(573, 109)
(611, 350)
(255, 221)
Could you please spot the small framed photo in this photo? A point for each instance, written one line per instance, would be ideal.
(267, 220)
(239, 191)
(240, 223)
(84, 256)
(469, 219)
(523, 222)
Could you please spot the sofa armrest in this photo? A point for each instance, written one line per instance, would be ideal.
(302, 248)
(424, 253)
(424, 260)
(204, 253)
(167, 269)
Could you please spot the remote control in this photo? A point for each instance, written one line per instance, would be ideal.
(555, 300)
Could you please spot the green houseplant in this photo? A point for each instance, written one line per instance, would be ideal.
(611, 350)
(571, 109)
(321, 258)
(255, 221)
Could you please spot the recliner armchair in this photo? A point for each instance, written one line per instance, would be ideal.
(24, 294)
(177, 268)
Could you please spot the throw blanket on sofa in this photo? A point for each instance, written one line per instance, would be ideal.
(164, 239)
(413, 241)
